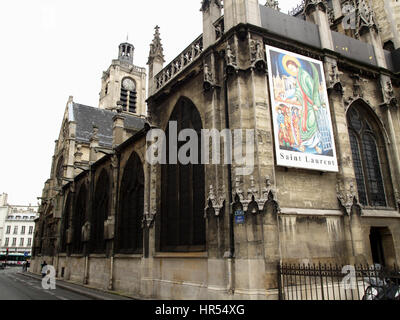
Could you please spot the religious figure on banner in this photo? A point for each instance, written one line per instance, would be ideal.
(305, 125)
(302, 123)
(307, 93)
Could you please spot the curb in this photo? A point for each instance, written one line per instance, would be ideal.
(76, 290)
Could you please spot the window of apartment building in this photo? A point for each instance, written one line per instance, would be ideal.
(23, 230)
(8, 230)
(6, 242)
(29, 242)
(21, 242)
(14, 242)
(16, 230)
(30, 230)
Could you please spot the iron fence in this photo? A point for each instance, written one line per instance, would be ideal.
(338, 282)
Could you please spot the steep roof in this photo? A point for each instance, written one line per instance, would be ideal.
(85, 117)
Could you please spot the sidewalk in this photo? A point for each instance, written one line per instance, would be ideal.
(87, 291)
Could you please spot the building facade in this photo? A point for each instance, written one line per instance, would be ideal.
(18, 229)
(207, 230)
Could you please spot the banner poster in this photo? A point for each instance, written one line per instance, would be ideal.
(300, 108)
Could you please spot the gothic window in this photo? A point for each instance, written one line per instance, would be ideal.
(128, 95)
(60, 170)
(183, 191)
(367, 157)
(131, 206)
(101, 208)
(79, 219)
(67, 215)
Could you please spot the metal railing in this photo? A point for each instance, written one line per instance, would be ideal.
(338, 282)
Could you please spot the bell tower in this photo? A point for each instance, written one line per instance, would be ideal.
(123, 85)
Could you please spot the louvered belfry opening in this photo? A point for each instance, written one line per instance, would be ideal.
(128, 98)
(131, 206)
(67, 215)
(183, 191)
(101, 208)
(79, 219)
(369, 156)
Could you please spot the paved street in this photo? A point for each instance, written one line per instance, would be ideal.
(15, 286)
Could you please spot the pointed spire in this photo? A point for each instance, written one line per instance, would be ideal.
(156, 48)
(274, 4)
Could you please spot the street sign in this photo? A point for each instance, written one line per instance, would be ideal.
(26, 253)
(239, 217)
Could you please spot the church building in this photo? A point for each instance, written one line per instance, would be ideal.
(319, 90)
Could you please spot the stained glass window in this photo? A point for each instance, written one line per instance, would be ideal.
(366, 162)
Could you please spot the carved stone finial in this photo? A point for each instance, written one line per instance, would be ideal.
(238, 190)
(156, 48)
(257, 54)
(95, 132)
(274, 4)
(334, 81)
(389, 98)
(205, 4)
(215, 202)
(208, 78)
(252, 192)
(311, 5)
(148, 219)
(230, 57)
(365, 19)
(348, 197)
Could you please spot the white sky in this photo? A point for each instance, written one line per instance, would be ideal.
(51, 49)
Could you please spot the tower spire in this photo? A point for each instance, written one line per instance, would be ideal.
(126, 51)
(156, 48)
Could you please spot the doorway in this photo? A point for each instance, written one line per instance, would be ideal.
(382, 246)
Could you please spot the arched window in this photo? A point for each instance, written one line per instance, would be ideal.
(369, 156)
(131, 206)
(128, 95)
(67, 214)
(101, 208)
(183, 191)
(60, 170)
(79, 219)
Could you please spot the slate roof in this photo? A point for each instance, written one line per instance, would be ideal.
(85, 117)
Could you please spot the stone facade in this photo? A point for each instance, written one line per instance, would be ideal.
(387, 14)
(291, 215)
(17, 228)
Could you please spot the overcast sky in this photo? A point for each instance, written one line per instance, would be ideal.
(51, 49)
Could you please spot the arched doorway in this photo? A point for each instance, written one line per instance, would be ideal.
(382, 246)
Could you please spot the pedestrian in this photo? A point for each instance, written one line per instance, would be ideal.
(43, 265)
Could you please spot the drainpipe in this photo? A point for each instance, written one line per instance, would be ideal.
(110, 283)
(231, 258)
(116, 208)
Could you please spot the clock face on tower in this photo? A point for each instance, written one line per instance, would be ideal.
(128, 84)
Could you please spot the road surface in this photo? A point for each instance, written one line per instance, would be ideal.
(14, 286)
